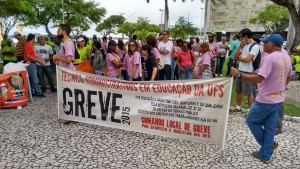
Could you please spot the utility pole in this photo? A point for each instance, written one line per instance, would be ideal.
(201, 23)
(188, 17)
(161, 19)
(63, 12)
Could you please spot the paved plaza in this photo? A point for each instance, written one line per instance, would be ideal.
(33, 137)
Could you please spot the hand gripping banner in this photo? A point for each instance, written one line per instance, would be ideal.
(195, 110)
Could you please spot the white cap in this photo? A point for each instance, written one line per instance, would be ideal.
(17, 33)
(80, 39)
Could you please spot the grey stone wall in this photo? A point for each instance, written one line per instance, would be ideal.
(234, 15)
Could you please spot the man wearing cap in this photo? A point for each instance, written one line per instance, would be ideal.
(274, 74)
(30, 56)
(19, 52)
(8, 52)
(214, 48)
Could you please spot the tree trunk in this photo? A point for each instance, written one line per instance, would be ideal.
(295, 17)
(166, 15)
(47, 29)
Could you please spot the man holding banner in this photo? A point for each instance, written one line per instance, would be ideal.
(274, 74)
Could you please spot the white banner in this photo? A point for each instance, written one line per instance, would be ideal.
(195, 110)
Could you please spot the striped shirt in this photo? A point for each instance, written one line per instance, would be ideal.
(19, 52)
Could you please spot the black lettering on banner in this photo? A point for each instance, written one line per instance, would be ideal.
(104, 109)
(70, 111)
(91, 104)
(79, 93)
(115, 107)
(125, 115)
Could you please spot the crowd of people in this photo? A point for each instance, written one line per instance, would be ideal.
(256, 62)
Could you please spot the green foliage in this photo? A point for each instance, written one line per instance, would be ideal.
(273, 18)
(183, 28)
(15, 8)
(127, 28)
(79, 14)
(11, 11)
(110, 24)
(142, 28)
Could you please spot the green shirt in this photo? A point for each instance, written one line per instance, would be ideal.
(233, 47)
(11, 57)
(297, 63)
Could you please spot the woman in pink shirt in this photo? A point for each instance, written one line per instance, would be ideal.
(132, 61)
(122, 52)
(113, 60)
(203, 65)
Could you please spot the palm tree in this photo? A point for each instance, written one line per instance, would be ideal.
(167, 8)
(167, 11)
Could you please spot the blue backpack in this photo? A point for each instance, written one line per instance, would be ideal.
(256, 61)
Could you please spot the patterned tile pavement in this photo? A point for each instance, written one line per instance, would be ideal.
(33, 137)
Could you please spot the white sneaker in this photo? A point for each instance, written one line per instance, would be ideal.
(221, 75)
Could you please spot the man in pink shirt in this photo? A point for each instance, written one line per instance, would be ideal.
(104, 45)
(213, 47)
(273, 76)
(66, 55)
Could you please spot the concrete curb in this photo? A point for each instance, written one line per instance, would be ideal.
(291, 118)
(286, 117)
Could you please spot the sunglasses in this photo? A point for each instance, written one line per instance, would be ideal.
(164, 34)
(210, 36)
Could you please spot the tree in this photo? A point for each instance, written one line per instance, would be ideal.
(295, 17)
(127, 28)
(11, 11)
(183, 28)
(273, 18)
(167, 11)
(142, 28)
(7, 23)
(110, 24)
(79, 14)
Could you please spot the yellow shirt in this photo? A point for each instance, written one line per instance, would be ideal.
(83, 55)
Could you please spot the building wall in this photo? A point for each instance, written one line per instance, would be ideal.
(233, 15)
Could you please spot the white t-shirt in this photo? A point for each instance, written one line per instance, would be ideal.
(45, 51)
(247, 66)
(169, 47)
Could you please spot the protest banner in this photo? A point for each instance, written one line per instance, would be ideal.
(13, 89)
(195, 110)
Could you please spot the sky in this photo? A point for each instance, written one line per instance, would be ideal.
(132, 9)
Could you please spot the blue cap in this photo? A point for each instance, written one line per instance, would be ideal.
(277, 39)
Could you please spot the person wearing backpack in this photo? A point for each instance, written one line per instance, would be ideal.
(247, 51)
(273, 76)
(67, 52)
